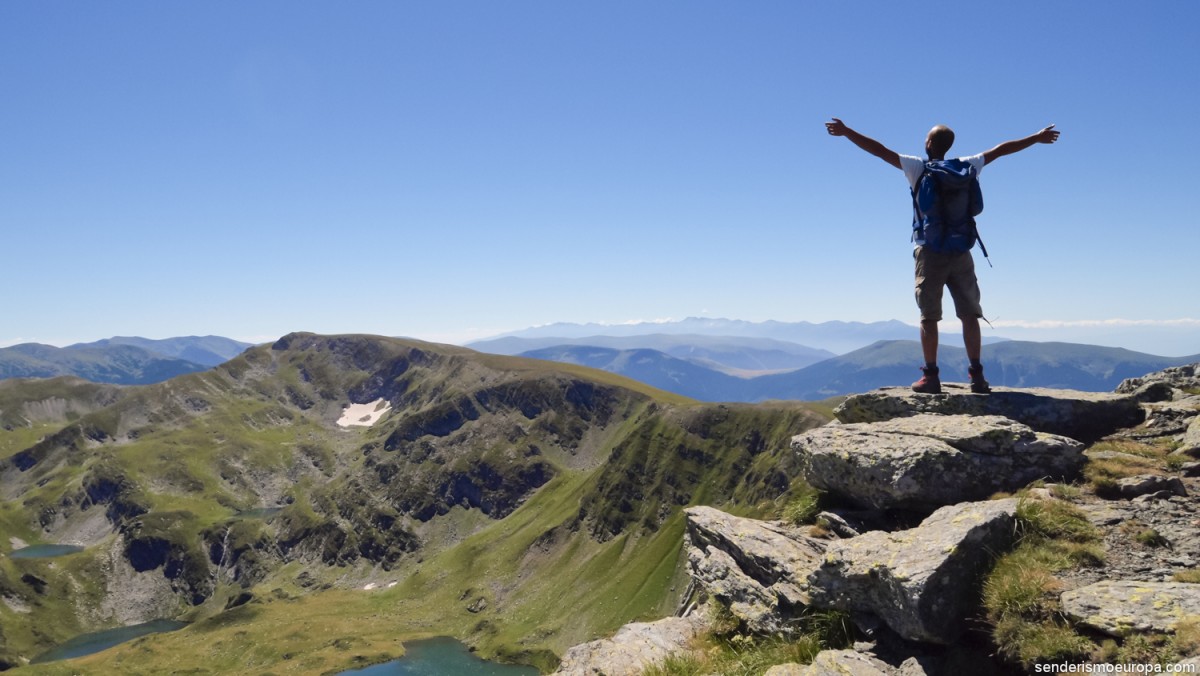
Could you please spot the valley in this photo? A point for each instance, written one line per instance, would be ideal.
(518, 505)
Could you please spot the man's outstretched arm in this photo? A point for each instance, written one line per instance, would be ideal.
(1047, 135)
(839, 128)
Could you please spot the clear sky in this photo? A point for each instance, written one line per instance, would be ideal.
(451, 170)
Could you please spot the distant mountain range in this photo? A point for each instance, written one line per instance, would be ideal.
(203, 350)
(836, 337)
(120, 360)
(727, 354)
(1009, 364)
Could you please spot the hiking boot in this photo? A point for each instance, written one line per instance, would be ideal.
(929, 383)
(978, 384)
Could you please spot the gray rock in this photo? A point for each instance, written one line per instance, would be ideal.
(1119, 608)
(632, 649)
(926, 461)
(1145, 484)
(1182, 378)
(1086, 416)
(1191, 440)
(845, 663)
(758, 569)
(836, 524)
(921, 581)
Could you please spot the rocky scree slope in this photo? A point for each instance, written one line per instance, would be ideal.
(912, 528)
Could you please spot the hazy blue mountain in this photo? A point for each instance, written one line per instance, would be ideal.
(651, 367)
(116, 364)
(723, 353)
(1011, 364)
(836, 337)
(203, 350)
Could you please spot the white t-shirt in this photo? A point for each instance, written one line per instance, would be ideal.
(914, 166)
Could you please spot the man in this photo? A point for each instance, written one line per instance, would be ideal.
(935, 270)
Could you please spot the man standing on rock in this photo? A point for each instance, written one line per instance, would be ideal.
(936, 269)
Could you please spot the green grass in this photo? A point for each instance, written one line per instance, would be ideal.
(1192, 576)
(726, 651)
(803, 506)
(524, 588)
(20, 438)
(1020, 594)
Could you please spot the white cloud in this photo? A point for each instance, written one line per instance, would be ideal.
(1184, 323)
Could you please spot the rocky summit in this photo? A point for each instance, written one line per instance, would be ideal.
(1085, 416)
(912, 528)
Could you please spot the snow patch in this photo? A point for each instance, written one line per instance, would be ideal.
(364, 415)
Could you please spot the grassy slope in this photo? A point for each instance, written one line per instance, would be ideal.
(525, 586)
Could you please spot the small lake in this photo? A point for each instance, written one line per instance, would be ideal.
(44, 551)
(86, 644)
(443, 656)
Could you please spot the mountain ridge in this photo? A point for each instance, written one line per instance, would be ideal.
(119, 360)
(544, 475)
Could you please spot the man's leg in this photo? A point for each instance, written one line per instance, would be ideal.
(929, 339)
(972, 338)
(930, 279)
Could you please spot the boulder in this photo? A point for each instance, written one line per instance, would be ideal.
(1144, 484)
(1190, 445)
(923, 581)
(1086, 416)
(758, 569)
(1119, 608)
(632, 649)
(927, 461)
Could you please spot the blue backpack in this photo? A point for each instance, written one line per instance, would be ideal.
(945, 203)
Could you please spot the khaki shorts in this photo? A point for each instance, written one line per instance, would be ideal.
(955, 270)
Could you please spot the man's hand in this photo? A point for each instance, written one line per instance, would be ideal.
(1047, 135)
(838, 128)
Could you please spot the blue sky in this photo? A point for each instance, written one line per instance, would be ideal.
(452, 170)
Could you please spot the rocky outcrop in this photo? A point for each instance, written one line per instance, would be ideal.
(927, 461)
(920, 581)
(758, 570)
(848, 663)
(633, 648)
(1184, 378)
(1119, 608)
(892, 449)
(1086, 416)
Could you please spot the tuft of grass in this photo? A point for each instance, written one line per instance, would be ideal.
(1152, 538)
(1192, 576)
(1066, 492)
(1053, 520)
(1042, 641)
(1020, 594)
(1143, 534)
(1186, 640)
(803, 507)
